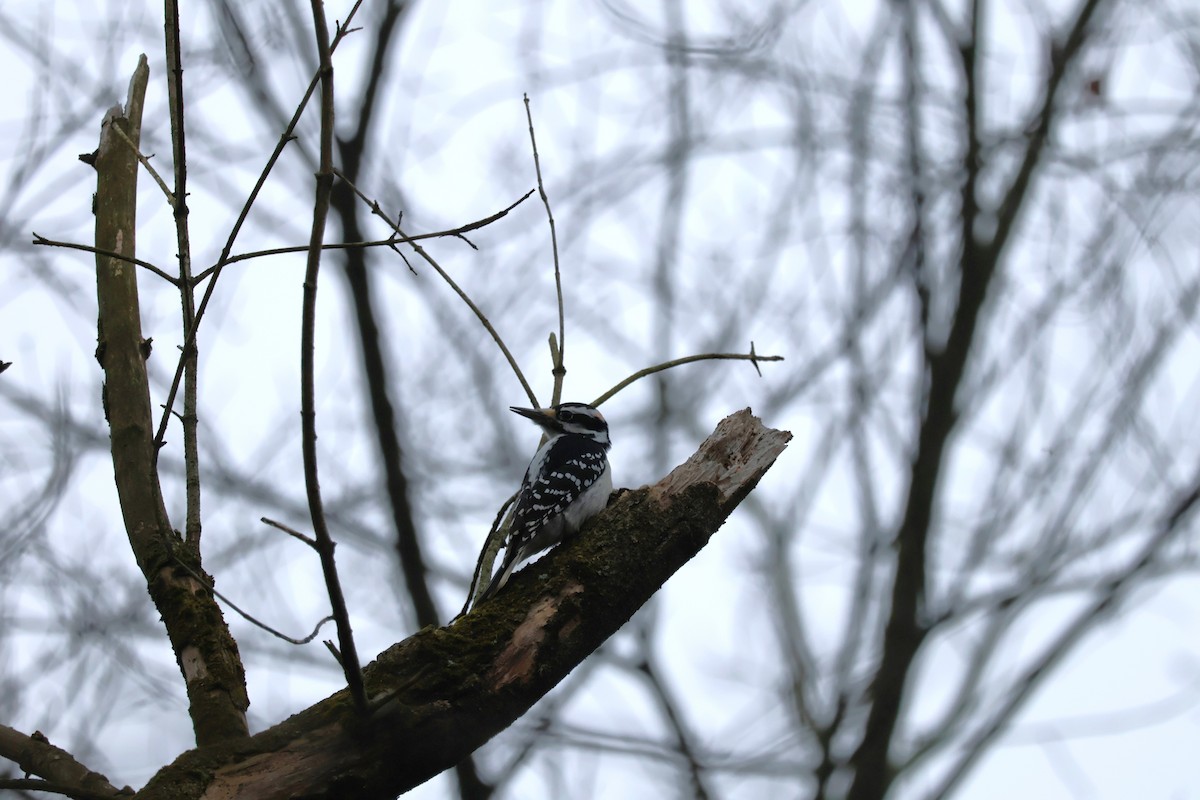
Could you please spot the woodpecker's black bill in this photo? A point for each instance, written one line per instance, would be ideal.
(542, 416)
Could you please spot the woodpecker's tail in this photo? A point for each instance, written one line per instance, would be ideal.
(501, 577)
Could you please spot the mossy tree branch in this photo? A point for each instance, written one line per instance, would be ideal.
(442, 693)
(36, 756)
(206, 653)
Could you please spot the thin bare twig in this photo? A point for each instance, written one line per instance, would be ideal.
(187, 299)
(308, 540)
(752, 357)
(38, 239)
(333, 651)
(166, 190)
(556, 347)
(308, 414)
(411, 240)
(391, 241)
(246, 615)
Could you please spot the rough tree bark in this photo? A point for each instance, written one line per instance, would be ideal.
(442, 693)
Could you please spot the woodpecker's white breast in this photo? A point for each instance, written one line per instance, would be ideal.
(590, 502)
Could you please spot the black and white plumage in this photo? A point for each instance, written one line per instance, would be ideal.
(567, 482)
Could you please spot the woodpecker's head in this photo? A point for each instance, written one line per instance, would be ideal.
(571, 419)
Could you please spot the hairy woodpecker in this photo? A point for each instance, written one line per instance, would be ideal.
(567, 482)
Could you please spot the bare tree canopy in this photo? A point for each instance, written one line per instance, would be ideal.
(950, 246)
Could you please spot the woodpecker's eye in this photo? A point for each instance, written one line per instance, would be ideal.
(566, 416)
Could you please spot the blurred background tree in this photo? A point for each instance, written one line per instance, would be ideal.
(969, 226)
